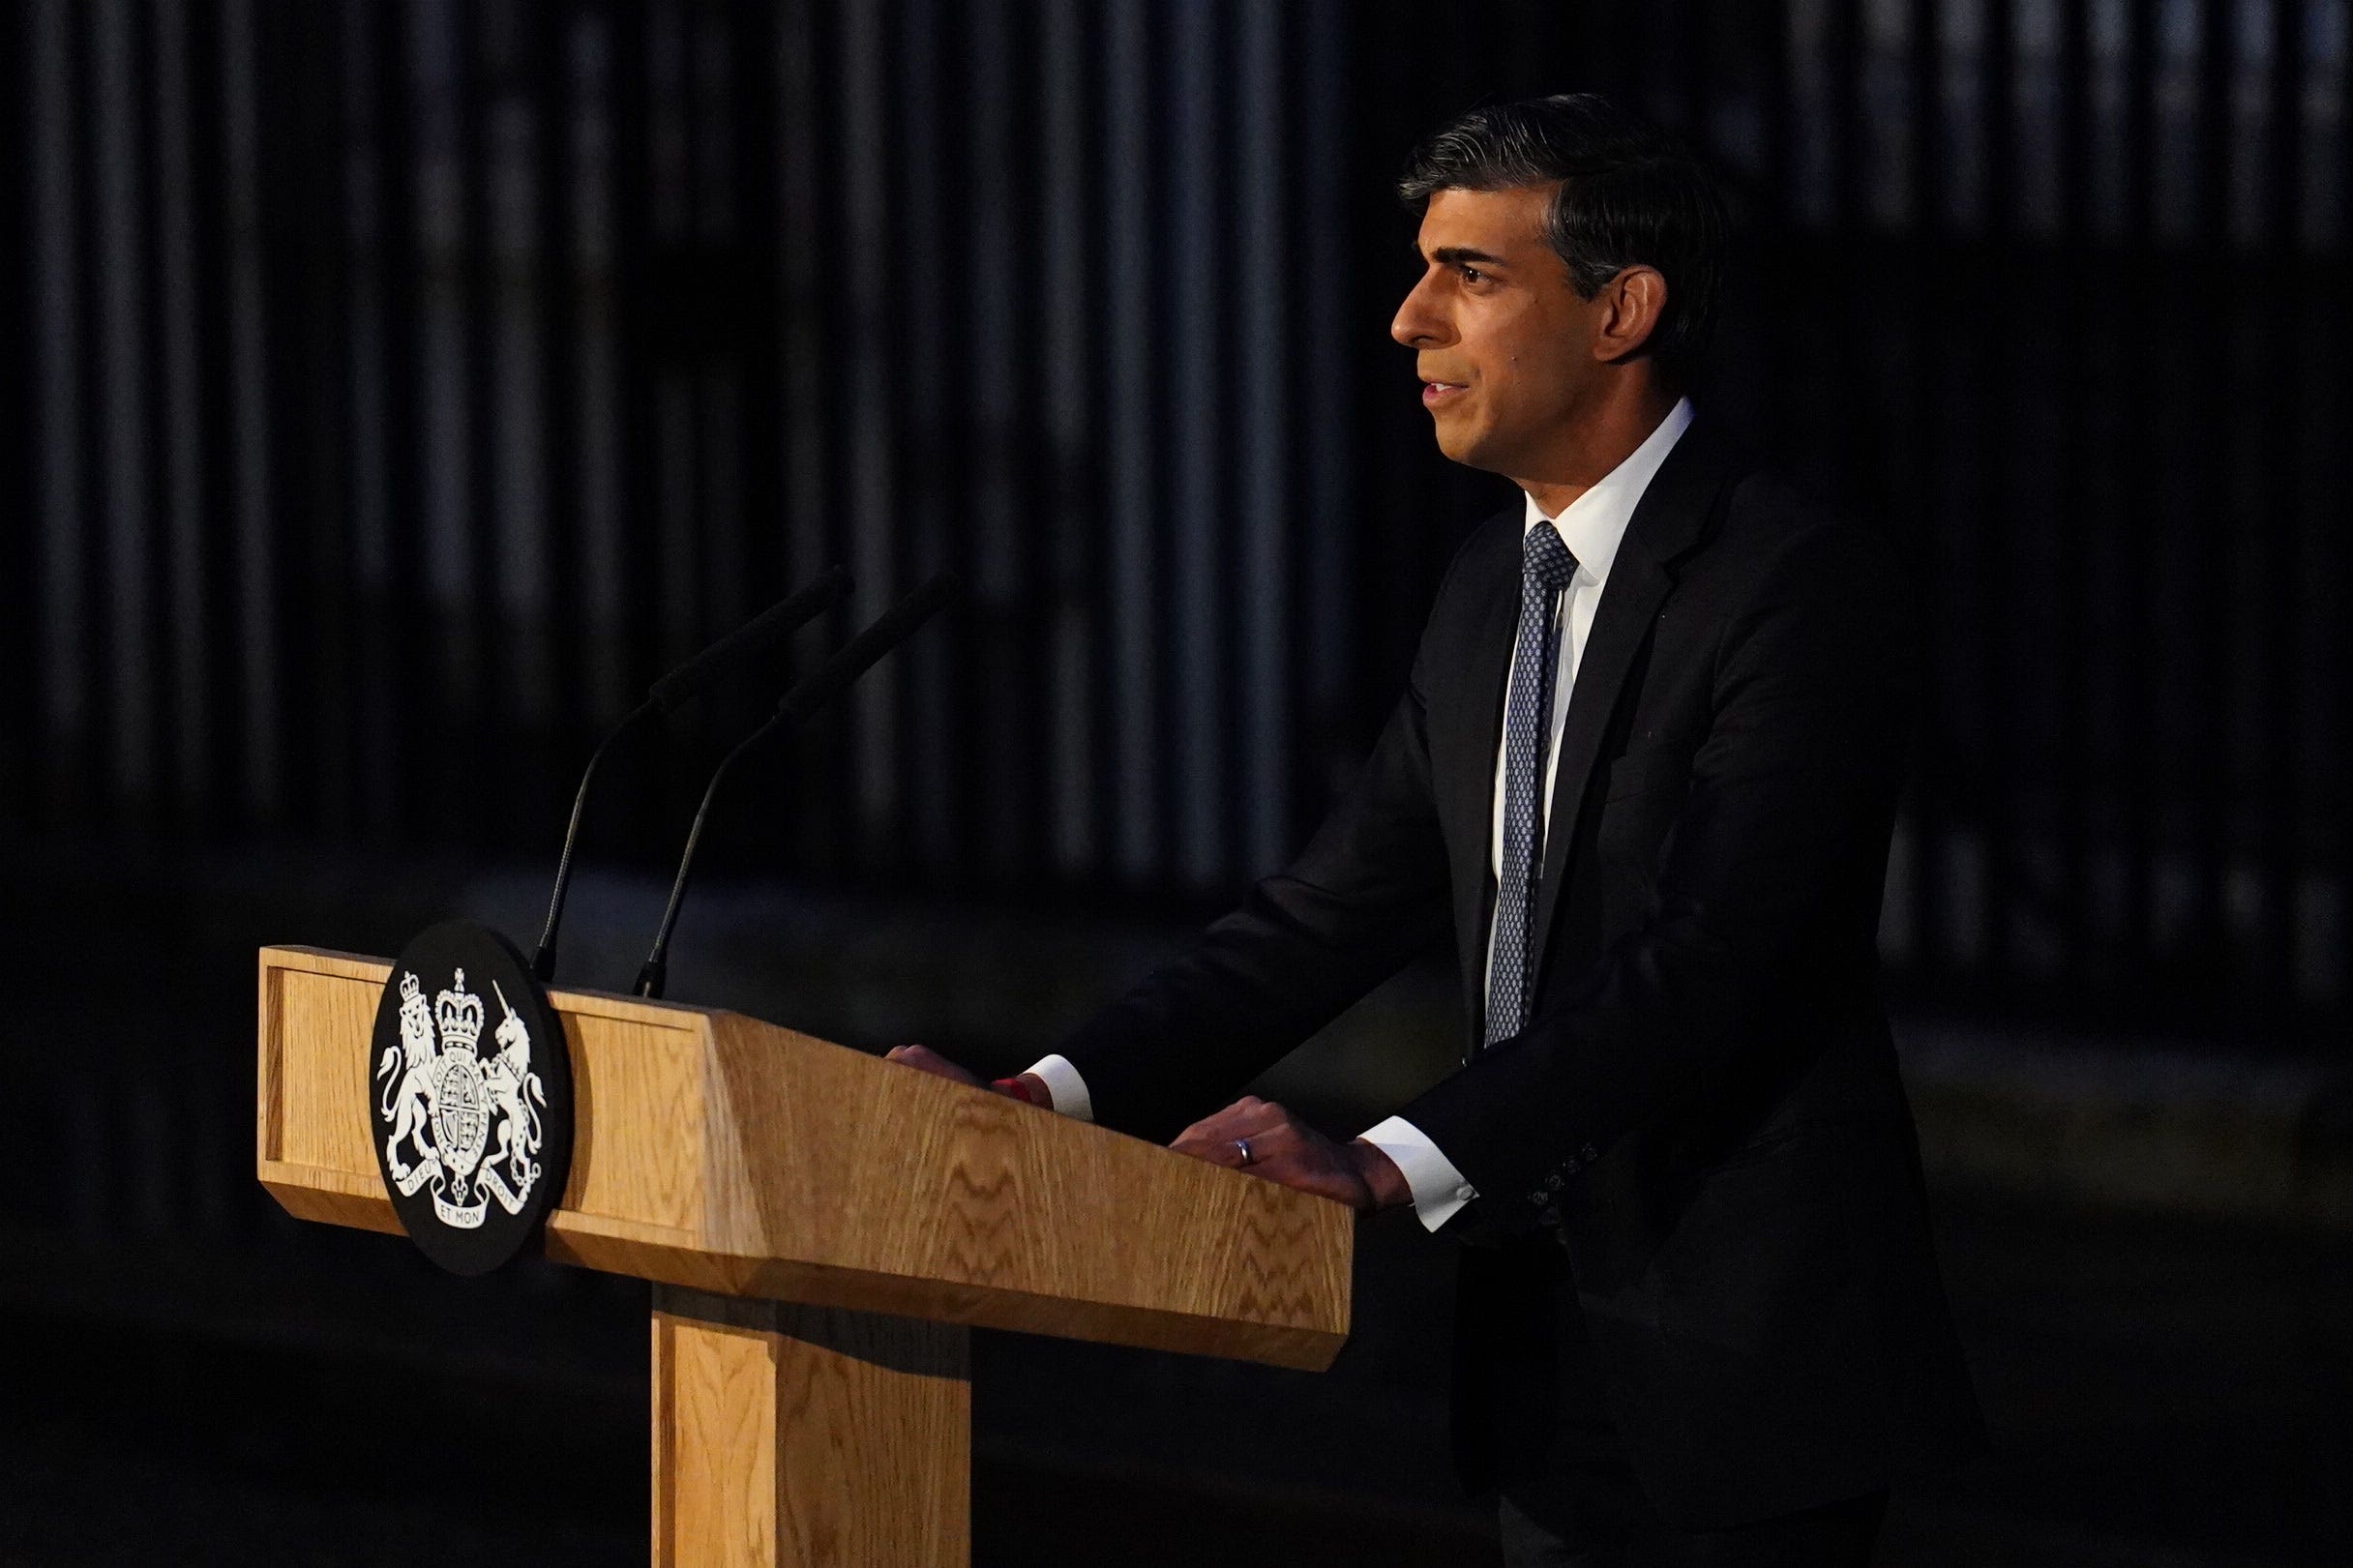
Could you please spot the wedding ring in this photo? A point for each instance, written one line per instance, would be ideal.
(1243, 1145)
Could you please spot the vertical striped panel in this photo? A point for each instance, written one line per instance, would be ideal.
(515, 162)
(251, 527)
(1136, 591)
(1262, 261)
(183, 511)
(599, 607)
(1067, 309)
(863, 269)
(1201, 385)
(61, 494)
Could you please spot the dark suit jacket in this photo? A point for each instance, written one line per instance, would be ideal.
(1697, 1158)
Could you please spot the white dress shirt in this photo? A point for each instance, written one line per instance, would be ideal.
(1592, 526)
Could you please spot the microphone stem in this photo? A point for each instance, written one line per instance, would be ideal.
(543, 962)
(655, 972)
(851, 660)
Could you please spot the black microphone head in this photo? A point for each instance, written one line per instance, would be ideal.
(786, 616)
(862, 652)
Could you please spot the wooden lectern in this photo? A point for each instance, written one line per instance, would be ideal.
(821, 1226)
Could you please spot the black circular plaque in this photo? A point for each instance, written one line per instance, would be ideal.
(471, 1095)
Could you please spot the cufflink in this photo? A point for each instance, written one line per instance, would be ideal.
(1464, 1192)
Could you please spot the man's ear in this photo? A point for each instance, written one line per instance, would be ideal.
(1634, 300)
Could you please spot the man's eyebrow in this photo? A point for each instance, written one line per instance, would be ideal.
(1455, 255)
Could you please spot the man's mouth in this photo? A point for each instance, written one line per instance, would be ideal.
(1435, 393)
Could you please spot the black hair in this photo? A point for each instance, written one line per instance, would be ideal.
(1629, 194)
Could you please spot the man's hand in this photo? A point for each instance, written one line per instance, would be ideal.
(924, 1060)
(1286, 1150)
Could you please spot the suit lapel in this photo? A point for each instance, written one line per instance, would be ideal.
(1670, 517)
(1623, 619)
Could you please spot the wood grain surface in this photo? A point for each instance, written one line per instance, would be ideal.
(727, 1155)
(788, 1434)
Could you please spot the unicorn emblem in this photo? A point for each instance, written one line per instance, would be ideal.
(516, 1100)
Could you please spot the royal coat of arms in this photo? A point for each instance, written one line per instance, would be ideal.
(469, 1097)
(446, 1101)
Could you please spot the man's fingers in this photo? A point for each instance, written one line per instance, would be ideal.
(1247, 1117)
(1283, 1149)
(1210, 1146)
(924, 1060)
(1265, 1126)
(1227, 1123)
(1194, 1138)
(1223, 1144)
(1271, 1139)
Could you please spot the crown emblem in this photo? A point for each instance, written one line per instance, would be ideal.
(459, 1014)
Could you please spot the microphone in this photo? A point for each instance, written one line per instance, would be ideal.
(826, 681)
(667, 696)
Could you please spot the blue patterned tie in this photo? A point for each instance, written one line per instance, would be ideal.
(1545, 569)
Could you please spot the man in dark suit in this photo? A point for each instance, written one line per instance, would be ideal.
(1645, 767)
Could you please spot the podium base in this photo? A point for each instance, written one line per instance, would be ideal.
(786, 1434)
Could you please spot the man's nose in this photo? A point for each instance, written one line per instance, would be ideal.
(1417, 325)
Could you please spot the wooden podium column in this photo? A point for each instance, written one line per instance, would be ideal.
(786, 1434)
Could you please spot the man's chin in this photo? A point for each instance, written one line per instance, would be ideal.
(1460, 444)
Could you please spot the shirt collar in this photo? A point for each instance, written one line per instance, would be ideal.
(1594, 525)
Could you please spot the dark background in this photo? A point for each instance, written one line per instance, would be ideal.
(391, 388)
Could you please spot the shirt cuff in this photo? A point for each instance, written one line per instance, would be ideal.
(1437, 1188)
(1067, 1088)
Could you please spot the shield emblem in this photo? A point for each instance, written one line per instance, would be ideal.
(462, 1114)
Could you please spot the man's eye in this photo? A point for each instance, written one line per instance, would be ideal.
(1471, 274)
